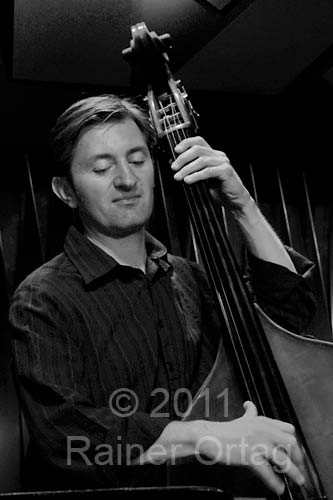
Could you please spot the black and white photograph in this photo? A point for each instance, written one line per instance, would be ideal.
(166, 250)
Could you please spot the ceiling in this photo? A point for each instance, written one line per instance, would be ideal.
(257, 46)
(261, 47)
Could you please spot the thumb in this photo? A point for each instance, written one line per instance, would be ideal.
(250, 409)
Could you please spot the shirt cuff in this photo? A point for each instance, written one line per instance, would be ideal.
(268, 279)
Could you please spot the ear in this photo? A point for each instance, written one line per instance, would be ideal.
(64, 190)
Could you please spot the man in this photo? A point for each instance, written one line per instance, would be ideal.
(109, 335)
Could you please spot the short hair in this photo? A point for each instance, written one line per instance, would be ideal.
(96, 110)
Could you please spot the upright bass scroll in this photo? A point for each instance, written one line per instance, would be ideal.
(267, 358)
(171, 112)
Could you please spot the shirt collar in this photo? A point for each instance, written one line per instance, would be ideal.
(93, 263)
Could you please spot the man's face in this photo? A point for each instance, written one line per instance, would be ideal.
(113, 178)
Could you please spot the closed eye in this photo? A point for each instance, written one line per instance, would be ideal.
(137, 163)
(100, 170)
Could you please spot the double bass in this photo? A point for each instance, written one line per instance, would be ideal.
(287, 376)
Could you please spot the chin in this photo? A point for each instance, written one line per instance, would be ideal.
(127, 228)
(117, 227)
(122, 231)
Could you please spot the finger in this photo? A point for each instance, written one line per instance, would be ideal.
(265, 472)
(289, 445)
(200, 171)
(193, 154)
(250, 409)
(283, 439)
(282, 463)
(213, 157)
(286, 456)
(189, 142)
(196, 166)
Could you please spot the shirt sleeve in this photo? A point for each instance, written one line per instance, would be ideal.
(60, 415)
(284, 295)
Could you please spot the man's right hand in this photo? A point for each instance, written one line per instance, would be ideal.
(269, 447)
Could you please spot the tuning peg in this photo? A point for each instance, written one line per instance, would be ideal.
(166, 40)
(127, 53)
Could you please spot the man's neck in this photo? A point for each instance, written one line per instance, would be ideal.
(128, 251)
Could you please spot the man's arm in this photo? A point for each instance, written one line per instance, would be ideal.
(259, 236)
(76, 438)
(266, 446)
(197, 161)
(278, 284)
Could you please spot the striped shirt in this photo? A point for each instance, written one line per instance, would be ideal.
(106, 356)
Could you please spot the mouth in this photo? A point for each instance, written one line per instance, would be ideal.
(127, 200)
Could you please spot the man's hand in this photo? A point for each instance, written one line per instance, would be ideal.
(197, 161)
(267, 446)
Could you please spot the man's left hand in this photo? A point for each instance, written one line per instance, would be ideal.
(198, 161)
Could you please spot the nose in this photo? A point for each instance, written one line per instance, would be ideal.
(125, 178)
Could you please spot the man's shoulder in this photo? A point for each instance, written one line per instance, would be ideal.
(45, 298)
(50, 275)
